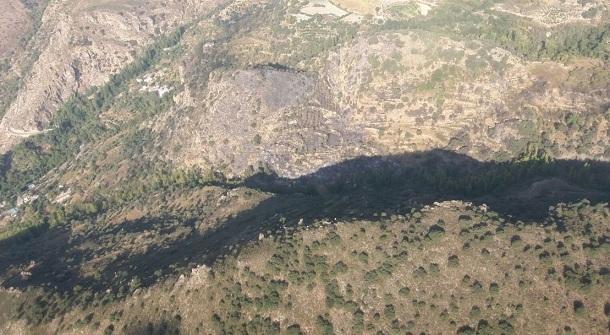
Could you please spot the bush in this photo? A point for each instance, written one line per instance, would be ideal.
(269, 301)
(260, 325)
(453, 261)
(358, 322)
(579, 307)
(435, 233)
(476, 286)
(484, 328)
(294, 329)
(434, 269)
(324, 325)
(475, 312)
(389, 312)
(420, 272)
(333, 295)
(404, 291)
(505, 327)
(466, 330)
(494, 288)
(363, 257)
(340, 267)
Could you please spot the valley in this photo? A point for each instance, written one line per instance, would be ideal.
(305, 167)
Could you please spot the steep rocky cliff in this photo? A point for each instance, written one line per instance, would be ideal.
(80, 45)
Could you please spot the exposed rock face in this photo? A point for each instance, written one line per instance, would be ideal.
(282, 120)
(386, 94)
(15, 22)
(296, 95)
(370, 112)
(82, 43)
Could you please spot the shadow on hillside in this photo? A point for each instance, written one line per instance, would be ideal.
(170, 326)
(363, 188)
(372, 188)
(523, 190)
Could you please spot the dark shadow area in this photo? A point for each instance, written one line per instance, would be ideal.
(364, 188)
(523, 189)
(169, 326)
(57, 255)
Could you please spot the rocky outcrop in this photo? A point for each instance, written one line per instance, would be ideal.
(386, 94)
(15, 23)
(243, 101)
(82, 43)
(261, 118)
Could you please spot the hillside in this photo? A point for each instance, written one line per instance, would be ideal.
(314, 167)
(449, 268)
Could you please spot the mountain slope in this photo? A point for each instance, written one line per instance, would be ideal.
(231, 166)
(451, 268)
(80, 44)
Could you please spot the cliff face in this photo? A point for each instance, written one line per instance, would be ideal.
(15, 22)
(280, 98)
(292, 87)
(80, 45)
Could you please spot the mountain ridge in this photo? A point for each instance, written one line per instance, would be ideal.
(306, 167)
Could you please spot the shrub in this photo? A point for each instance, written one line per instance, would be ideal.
(484, 328)
(494, 288)
(363, 257)
(515, 240)
(505, 327)
(258, 325)
(294, 329)
(324, 325)
(434, 269)
(453, 261)
(420, 272)
(466, 330)
(476, 286)
(475, 312)
(333, 295)
(389, 312)
(340, 267)
(577, 280)
(358, 321)
(333, 238)
(371, 277)
(269, 301)
(579, 307)
(435, 233)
